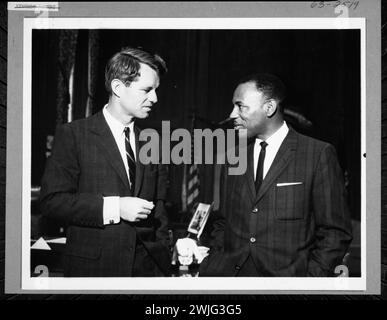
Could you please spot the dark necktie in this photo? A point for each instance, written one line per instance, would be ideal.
(259, 173)
(130, 157)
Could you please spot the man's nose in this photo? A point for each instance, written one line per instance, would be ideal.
(234, 113)
(153, 96)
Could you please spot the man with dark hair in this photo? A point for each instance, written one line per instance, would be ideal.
(94, 183)
(287, 215)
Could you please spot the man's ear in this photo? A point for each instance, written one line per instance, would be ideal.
(116, 86)
(271, 107)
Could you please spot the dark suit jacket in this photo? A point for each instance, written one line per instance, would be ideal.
(86, 166)
(290, 230)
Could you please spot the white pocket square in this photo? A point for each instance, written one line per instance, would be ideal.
(284, 184)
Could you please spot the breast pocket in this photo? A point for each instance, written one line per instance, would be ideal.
(289, 201)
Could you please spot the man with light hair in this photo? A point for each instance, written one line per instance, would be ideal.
(111, 203)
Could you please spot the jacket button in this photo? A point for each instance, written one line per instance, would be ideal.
(255, 210)
(252, 239)
(237, 267)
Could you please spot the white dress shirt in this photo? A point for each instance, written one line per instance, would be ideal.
(111, 205)
(273, 144)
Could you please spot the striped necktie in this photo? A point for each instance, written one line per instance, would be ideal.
(130, 158)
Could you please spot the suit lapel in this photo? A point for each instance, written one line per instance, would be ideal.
(281, 160)
(109, 147)
(139, 166)
(237, 181)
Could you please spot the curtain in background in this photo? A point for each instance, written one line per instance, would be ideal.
(86, 69)
(78, 58)
(66, 58)
(92, 71)
(80, 79)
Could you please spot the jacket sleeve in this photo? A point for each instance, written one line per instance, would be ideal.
(331, 214)
(161, 215)
(158, 243)
(217, 221)
(60, 198)
(210, 264)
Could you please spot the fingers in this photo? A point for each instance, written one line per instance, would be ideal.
(145, 211)
(138, 202)
(135, 209)
(147, 204)
(141, 217)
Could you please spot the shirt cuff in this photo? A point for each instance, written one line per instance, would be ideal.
(111, 210)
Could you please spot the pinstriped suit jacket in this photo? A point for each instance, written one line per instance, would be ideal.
(297, 225)
(86, 166)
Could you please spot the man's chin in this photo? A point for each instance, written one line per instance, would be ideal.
(143, 115)
(145, 112)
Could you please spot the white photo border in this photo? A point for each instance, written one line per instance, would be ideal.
(177, 285)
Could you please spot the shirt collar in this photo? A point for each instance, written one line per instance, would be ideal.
(277, 137)
(116, 126)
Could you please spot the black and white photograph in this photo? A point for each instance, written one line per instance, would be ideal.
(199, 219)
(294, 213)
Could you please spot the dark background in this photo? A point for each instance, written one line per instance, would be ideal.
(321, 69)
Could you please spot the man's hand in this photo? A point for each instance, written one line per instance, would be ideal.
(134, 209)
(187, 251)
